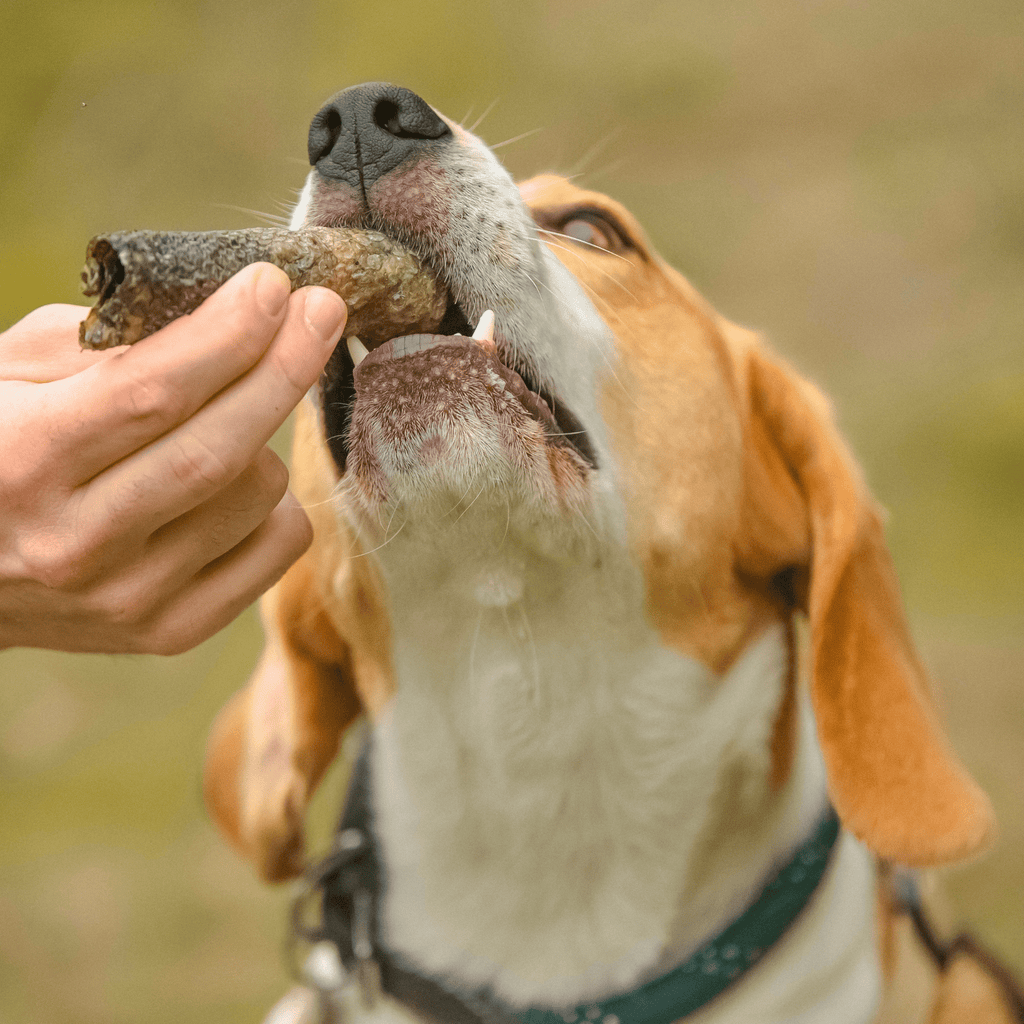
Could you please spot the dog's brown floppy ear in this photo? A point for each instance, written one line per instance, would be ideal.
(273, 741)
(893, 778)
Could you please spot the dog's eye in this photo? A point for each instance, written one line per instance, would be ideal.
(583, 231)
(593, 232)
(592, 227)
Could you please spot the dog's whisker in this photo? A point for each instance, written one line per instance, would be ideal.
(609, 277)
(471, 504)
(517, 138)
(380, 521)
(469, 487)
(609, 168)
(508, 521)
(394, 512)
(604, 304)
(472, 648)
(476, 124)
(536, 284)
(590, 289)
(604, 355)
(580, 167)
(590, 526)
(268, 218)
(535, 691)
(604, 273)
(534, 680)
(385, 543)
(539, 285)
(581, 241)
(611, 369)
(331, 499)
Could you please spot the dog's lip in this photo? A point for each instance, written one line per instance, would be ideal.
(534, 401)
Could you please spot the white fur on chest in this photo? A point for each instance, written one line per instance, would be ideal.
(548, 772)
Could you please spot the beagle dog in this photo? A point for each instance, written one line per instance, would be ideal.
(616, 604)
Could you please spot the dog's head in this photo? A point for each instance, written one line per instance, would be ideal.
(615, 415)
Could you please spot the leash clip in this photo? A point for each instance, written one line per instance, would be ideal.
(342, 952)
(367, 969)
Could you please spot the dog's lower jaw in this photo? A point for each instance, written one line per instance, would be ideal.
(551, 813)
(462, 487)
(436, 485)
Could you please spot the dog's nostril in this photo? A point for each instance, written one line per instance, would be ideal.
(385, 116)
(415, 120)
(323, 134)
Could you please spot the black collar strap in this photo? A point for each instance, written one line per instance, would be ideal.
(349, 884)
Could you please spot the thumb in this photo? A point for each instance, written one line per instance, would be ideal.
(43, 346)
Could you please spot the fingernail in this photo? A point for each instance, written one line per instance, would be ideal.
(272, 289)
(325, 313)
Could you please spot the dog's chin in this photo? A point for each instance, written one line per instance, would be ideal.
(440, 423)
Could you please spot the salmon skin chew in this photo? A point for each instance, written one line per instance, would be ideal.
(146, 279)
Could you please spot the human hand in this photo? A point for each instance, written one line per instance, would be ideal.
(140, 510)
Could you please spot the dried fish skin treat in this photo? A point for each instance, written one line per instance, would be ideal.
(146, 279)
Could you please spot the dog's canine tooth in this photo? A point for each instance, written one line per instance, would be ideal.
(357, 350)
(485, 328)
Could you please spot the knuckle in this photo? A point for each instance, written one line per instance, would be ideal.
(170, 642)
(23, 479)
(303, 535)
(57, 562)
(271, 474)
(226, 528)
(123, 605)
(238, 314)
(197, 467)
(176, 630)
(149, 401)
(29, 452)
(298, 376)
(290, 534)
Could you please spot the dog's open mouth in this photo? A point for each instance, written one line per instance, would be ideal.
(438, 371)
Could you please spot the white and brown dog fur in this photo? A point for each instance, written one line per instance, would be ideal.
(579, 661)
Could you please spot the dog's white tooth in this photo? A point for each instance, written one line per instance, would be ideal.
(485, 327)
(357, 350)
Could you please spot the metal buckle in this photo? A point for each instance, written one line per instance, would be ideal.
(324, 968)
(367, 970)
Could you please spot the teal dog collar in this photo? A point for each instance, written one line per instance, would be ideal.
(720, 962)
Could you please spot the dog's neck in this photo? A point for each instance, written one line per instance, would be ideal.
(566, 806)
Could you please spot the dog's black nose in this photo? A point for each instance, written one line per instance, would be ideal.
(368, 130)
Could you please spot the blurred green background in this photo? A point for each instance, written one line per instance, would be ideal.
(845, 176)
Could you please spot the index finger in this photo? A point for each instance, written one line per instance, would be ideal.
(123, 403)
